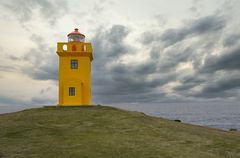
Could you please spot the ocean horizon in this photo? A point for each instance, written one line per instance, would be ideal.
(224, 116)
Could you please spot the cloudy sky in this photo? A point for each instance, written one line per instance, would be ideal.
(145, 51)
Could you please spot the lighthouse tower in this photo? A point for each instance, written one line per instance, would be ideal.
(75, 58)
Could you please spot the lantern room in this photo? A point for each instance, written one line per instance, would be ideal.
(76, 36)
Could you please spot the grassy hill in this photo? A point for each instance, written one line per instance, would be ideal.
(94, 132)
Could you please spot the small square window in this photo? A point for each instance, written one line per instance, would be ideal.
(71, 91)
(74, 64)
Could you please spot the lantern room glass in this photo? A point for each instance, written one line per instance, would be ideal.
(77, 38)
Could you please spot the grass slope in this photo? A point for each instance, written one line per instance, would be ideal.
(108, 132)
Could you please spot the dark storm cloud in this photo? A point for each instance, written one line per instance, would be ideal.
(210, 33)
(222, 88)
(228, 60)
(50, 10)
(175, 56)
(201, 26)
(113, 81)
(207, 24)
(218, 76)
(110, 43)
(173, 36)
(108, 46)
(190, 81)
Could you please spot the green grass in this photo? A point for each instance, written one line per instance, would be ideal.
(94, 132)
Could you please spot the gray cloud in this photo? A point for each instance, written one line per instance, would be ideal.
(228, 60)
(13, 100)
(161, 20)
(42, 101)
(223, 88)
(207, 24)
(110, 43)
(7, 68)
(43, 60)
(231, 40)
(218, 76)
(189, 82)
(197, 27)
(175, 56)
(114, 82)
(24, 9)
(7, 100)
(122, 82)
(192, 43)
(45, 69)
(174, 46)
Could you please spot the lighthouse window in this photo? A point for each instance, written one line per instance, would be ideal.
(71, 91)
(64, 47)
(74, 64)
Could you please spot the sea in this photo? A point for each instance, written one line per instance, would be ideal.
(224, 116)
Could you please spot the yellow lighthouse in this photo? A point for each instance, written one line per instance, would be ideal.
(75, 58)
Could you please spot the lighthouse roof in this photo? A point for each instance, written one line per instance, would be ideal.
(76, 32)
